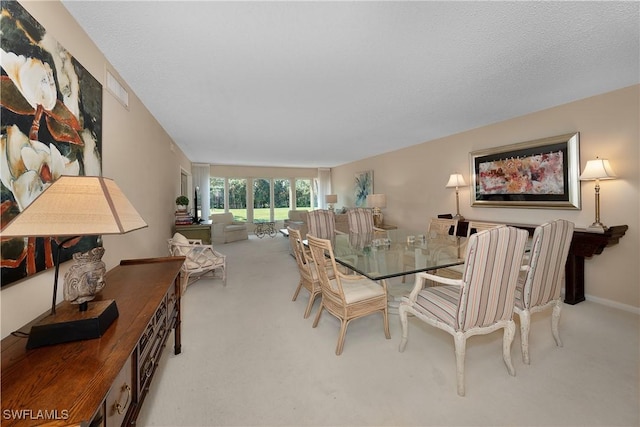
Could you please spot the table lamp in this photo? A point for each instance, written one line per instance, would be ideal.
(330, 199)
(377, 202)
(595, 170)
(455, 181)
(71, 207)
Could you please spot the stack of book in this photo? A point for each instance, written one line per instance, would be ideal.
(183, 217)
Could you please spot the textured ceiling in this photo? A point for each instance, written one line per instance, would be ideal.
(319, 84)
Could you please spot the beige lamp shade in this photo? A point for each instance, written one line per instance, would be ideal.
(377, 200)
(456, 180)
(597, 169)
(77, 206)
(331, 198)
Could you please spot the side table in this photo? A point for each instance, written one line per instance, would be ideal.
(264, 228)
(200, 231)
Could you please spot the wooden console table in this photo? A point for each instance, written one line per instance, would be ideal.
(583, 245)
(99, 382)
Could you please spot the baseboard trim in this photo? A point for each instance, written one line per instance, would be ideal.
(614, 304)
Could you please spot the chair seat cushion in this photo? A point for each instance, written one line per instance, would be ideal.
(360, 289)
(180, 238)
(440, 302)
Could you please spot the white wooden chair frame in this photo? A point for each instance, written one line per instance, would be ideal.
(200, 260)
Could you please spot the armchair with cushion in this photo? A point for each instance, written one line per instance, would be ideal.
(224, 229)
(297, 219)
(199, 259)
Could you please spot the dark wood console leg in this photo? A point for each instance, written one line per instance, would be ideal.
(177, 339)
(574, 277)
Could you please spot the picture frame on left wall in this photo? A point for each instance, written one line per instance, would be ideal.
(51, 121)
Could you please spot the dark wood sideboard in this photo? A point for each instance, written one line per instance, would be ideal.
(99, 382)
(583, 245)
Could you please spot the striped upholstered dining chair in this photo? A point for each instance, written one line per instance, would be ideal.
(321, 223)
(539, 289)
(361, 222)
(479, 303)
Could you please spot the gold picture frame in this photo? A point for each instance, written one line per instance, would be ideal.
(542, 173)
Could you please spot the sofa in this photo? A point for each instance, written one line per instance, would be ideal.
(224, 229)
(297, 219)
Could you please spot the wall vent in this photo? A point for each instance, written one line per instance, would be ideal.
(117, 90)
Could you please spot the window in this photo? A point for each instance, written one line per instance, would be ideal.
(238, 198)
(262, 199)
(216, 195)
(270, 199)
(303, 194)
(281, 199)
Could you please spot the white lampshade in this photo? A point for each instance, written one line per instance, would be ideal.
(597, 169)
(456, 180)
(331, 198)
(77, 206)
(377, 200)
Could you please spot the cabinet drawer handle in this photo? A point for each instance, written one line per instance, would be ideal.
(149, 370)
(121, 408)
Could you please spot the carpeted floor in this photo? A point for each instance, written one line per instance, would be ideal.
(250, 359)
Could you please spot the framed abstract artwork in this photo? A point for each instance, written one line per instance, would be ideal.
(363, 187)
(535, 174)
(51, 125)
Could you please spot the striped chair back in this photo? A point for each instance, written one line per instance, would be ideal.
(490, 276)
(321, 223)
(544, 279)
(360, 220)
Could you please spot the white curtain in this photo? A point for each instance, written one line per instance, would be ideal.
(200, 173)
(324, 186)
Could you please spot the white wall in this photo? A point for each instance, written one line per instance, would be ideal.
(414, 181)
(137, 153)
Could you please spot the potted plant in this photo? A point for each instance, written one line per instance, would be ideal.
(182, 202)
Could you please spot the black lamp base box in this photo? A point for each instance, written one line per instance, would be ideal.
(70, 324)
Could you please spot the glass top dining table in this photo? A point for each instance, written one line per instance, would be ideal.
(399, 254)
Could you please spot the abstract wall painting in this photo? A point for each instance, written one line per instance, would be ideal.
(363, 187)
(535, 174)
(51, 125)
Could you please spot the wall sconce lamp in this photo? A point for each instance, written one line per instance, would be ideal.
(596, 170)
(377, 202)
(330, 199)
(456, 180)
(71, 207)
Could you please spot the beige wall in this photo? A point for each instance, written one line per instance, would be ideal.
(414, 181)
(137, 153)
